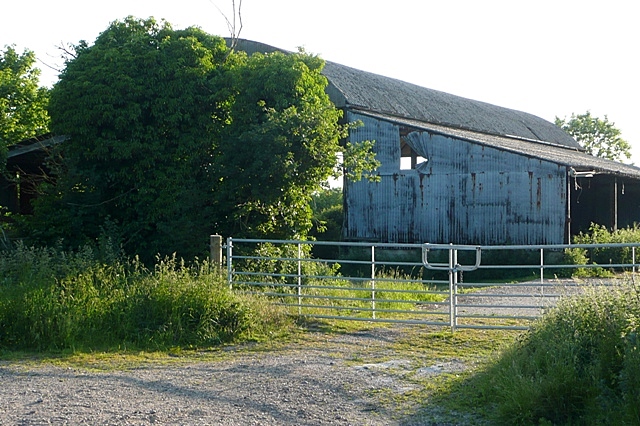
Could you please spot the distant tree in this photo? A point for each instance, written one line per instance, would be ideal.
(173, 137)
(327, 214)
(23, 104)
(598, 136)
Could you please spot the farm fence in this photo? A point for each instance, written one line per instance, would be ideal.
(448, 285)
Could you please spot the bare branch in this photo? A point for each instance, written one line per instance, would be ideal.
(226, 19)
(57, 69)
(68, 51)
(235, 24)
(239, 12)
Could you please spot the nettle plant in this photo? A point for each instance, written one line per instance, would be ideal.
(603, 256)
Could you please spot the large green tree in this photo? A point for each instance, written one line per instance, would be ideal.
(23, 102)
(598, 136)
(280, 147)
(173, 136)
(141, 108)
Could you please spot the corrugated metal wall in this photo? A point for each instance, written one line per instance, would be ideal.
(471, 194)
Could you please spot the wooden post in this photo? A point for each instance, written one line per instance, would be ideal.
(614, 205)
(215, 247)
(568, 210)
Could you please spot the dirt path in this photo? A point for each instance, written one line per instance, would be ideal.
(327, 382)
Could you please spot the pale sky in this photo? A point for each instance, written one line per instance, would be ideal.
(545, 57)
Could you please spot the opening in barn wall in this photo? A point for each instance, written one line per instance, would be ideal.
(19, 187)
(410, 157)
(9, 194)
(610, 201)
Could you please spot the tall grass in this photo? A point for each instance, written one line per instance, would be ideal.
(55, 300)
(579, 364)
(602, 256)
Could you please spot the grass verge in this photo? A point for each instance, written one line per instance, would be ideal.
(56, 301)
(579, 364)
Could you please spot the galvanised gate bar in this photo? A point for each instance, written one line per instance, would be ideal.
(447, 285)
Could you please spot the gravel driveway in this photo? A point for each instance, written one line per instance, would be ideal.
(328, 379)
(317, 383)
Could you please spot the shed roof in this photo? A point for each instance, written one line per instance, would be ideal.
(405, 103)
(571, 158)
(353, 88)
(34, 144)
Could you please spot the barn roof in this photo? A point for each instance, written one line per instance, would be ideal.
(353, 88)
(503, 128)
(349, 87)
(571, 158)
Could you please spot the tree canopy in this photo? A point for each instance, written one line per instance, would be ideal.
(598, 136)
(281, 146)
(173, 136)
(23, 103)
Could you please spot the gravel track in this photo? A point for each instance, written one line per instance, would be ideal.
(321, 383)
(317, 383)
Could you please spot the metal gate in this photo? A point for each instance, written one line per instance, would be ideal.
(455, 286)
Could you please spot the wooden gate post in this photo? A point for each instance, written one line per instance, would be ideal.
(215, 247)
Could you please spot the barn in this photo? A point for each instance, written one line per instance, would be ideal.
(456, 170)
(467, 172)
(453, 170)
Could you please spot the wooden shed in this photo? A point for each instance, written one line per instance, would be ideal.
(456, 170)
(25, 170)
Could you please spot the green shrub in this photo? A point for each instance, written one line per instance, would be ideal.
(579, 364)
(580, 256)
(326, 206)
(52, 300)
(603, 256)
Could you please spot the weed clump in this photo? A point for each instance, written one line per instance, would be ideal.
(600, 258)
(579, 364)
(52, 300)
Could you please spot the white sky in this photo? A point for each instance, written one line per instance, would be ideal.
(546, 57)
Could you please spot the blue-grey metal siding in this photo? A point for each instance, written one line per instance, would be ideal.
(470, 194)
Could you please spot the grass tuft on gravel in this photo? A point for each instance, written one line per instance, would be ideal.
(65, 302)
(579, 364)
